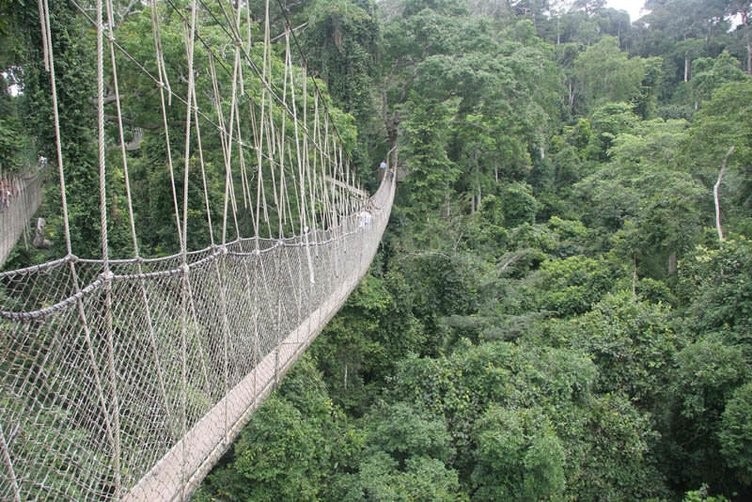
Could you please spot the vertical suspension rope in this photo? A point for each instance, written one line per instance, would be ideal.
(185, 276)
(320, 183)
(107, 274)
(191, 115)
(310, 173)
(223, 145)
(50, 65)
(202, 165)
(305, 224)
(272, 138)
(191, 34)
(245, 182)
(101, 139)
(121, 133)
(228, 130)
(8, 461)
(281, 150)
(164, 83)
(164, 86)
(220, 265)
(46, 28)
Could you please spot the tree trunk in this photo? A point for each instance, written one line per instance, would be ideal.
(686, 68)
(716, 196)
(558, 30)
(747, 28)
(672, 261)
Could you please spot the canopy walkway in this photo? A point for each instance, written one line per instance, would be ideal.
(20, 198)
(127, 377)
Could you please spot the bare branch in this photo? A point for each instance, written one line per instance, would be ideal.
(135, 143)
(127, 11)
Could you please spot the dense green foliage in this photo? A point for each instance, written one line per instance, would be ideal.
(553, 315)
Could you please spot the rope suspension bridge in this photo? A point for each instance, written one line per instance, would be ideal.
(126, 376)
(20, 198)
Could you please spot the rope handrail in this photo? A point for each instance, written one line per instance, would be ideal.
(214, 252)
(341, 262)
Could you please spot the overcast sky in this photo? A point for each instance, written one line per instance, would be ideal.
(631, 6)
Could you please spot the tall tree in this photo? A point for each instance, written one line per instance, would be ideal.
(604, 73)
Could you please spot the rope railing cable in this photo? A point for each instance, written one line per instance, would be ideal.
(171, 93)
(236, 37)
(146, 72)
(291, 30)
(161, 83)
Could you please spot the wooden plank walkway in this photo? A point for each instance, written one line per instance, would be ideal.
(184, 466)
(182, 469)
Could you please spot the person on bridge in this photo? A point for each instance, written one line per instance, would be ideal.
(364, 219)
(5, 194)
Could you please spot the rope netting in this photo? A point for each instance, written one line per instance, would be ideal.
(128, 377)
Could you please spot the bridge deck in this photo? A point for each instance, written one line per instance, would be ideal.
(183, 468)
(132, 387)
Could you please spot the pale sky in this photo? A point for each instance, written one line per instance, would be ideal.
(632, 6)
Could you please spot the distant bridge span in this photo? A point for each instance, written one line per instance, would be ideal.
(20, 198)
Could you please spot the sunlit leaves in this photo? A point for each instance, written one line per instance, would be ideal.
(736, 433)
(606, 74)
(518, 456)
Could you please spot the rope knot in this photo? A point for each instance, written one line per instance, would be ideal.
(185, 268)
(107, 276)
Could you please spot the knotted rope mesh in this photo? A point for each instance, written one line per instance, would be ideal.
(127, 378)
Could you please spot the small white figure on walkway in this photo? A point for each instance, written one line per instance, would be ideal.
(364, 219)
